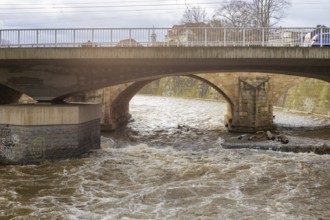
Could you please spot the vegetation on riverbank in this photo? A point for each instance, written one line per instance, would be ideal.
(183, 87)
(310, 96)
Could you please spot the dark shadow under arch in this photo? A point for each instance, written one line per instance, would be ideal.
(8, 95)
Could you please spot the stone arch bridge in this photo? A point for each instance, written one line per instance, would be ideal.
(250, 98)
(50, 75)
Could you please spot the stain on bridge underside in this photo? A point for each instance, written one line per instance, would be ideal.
(25, 81)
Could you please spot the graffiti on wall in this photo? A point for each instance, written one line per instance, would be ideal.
(8, 140)
(37, 148)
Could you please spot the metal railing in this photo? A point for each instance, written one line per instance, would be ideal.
(178, 36)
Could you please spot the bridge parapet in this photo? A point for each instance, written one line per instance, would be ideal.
(177, 36)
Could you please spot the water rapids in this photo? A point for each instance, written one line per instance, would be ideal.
(169, 164)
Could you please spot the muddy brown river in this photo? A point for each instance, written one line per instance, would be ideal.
(169, 163)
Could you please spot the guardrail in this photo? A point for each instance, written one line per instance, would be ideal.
(178, 36)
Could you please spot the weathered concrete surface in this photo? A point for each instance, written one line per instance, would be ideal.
(50, 74)
(34, 133)
(166, 52)
(48, 114)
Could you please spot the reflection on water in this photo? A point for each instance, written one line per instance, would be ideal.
(170, 166)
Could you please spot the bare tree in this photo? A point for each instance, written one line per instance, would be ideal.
(236, 13)
(257, 13)
(194, 15)
(215, 22)
(268, 12)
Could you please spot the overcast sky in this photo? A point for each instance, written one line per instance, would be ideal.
(134, 13)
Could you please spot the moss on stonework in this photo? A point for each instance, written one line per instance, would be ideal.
(311, 96)
(179, 86)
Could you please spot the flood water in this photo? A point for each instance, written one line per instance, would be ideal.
(169, 164)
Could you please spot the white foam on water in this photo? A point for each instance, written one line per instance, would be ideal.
(148, 180)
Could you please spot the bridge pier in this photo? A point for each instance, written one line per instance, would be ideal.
(38, 132)
(253, 108)
(115, 115)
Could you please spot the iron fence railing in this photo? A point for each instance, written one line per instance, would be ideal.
(178, 36)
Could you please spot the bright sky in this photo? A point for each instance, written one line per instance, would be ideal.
(134, 13)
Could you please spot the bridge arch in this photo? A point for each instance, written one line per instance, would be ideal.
(217, 78)
(116, 99)
(119, 109)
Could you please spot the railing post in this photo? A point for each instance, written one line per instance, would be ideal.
(263, 37)
(149, 38)
(321, 37)
(243, 37)
(55, 37)
(224, 37)
(205, 40)
(282, 37)
(130, 37)
(74, 38)
(0, 37)
(19, 38)
(37, 38)
(92, 35)
(111, 37)
(167, 39)
(187, 37)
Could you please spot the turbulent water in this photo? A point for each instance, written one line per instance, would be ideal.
(169, 164)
